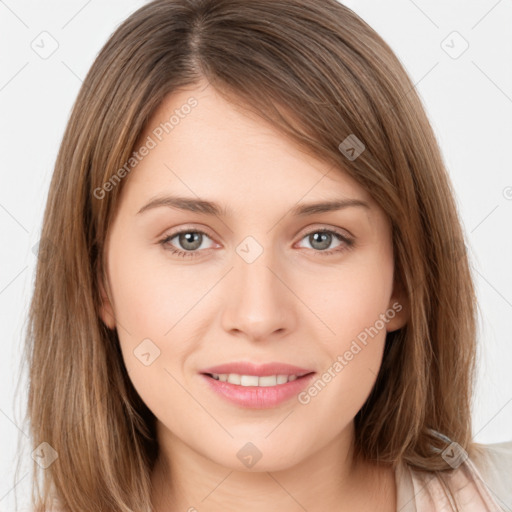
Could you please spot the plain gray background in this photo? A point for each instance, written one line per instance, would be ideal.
(467, 93)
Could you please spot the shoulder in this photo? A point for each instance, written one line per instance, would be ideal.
(481, 482)
(488, 457)
(493, 462)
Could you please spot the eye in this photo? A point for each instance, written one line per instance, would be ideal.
(321, 239)
(189, 239)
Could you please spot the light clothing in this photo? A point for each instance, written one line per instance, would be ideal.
(481, 484)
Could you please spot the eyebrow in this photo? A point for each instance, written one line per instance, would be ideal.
(210, 208)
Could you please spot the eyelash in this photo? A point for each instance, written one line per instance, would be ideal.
(349, 243)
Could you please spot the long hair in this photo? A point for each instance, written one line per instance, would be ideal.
(319, 74)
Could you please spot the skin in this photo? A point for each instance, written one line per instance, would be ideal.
(292, 304)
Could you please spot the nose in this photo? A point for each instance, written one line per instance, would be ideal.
(259, 304)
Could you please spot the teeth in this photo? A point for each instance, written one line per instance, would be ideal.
(269, 380)
(249, 380)
(233, 378)
(282, 379)
(254, 380)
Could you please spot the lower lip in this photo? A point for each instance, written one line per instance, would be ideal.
(256, 397)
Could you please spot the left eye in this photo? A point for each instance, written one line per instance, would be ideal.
(190, 240)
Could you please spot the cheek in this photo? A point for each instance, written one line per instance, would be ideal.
(352, 299)
(151, 293)
(352, 359)
(354, 304)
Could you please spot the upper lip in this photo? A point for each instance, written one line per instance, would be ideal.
(248, 368)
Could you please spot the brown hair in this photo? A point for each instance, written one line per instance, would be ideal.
(320, 74)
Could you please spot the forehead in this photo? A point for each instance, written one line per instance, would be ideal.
(203, 145)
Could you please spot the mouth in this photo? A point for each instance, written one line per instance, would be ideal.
(263, 387)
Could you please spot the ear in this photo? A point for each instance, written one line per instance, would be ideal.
(398, 308)
(106, 309)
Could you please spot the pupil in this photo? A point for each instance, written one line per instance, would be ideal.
(323, 239)
(189, 240)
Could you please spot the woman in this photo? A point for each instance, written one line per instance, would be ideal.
(258, 296)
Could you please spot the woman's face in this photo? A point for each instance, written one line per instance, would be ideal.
(254, 280)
